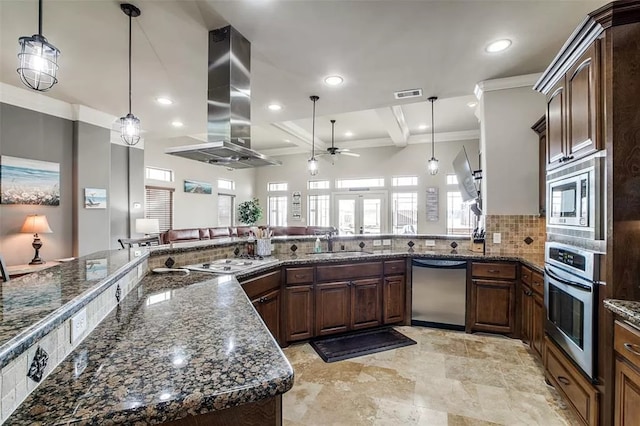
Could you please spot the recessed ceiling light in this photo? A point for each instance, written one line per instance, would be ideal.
(177, 123)
(472, 104)
(334, 80)
(423, 126)
(498, 45)
(275, 107)
(348, 134)
(287, 140)
(164, 101)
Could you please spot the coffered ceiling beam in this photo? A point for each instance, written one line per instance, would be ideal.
(392, 118)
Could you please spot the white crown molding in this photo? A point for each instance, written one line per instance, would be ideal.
(93, 116)
(505, 83)
(35, 101)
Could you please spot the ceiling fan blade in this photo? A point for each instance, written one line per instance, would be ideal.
(350, 154)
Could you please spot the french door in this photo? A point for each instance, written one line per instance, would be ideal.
(360, 213)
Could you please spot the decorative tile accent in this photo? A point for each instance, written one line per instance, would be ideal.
(294, 248)
(361, 245)
(454, 245)
(169, 262)
(515, 229)
(528, 241)
(38, 365)
(411, 244)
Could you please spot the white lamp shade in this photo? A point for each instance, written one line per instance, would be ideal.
(36, 224)
(147, 226)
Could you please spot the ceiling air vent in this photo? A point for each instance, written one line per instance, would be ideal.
(411, 93)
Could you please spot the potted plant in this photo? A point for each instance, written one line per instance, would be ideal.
(249, 212)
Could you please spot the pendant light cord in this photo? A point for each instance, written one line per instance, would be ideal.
(129, 63)
(313, 131)
(40, 17)
(333, 124)
(432, 132)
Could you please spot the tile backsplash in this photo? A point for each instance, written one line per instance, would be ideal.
(520, 234)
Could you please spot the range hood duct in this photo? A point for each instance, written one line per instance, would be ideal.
(228, 106)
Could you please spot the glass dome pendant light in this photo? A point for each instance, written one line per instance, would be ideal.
(130, 124)
(433, 162)
(312, 163)
(38, 59)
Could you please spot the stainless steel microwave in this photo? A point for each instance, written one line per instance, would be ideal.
(574, 199)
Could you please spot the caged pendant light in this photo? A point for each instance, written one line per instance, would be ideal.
(312, 163)
(130, 124)
(38, 59)
(433, 162)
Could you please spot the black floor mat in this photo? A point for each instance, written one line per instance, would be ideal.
(333, 349)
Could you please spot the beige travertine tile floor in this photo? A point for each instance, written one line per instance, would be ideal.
(448, 378)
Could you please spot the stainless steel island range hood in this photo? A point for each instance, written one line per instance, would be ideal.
(228, 106)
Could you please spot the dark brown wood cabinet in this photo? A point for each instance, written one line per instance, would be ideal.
(580, 394)
(582, 104)
(540, 127)
(556, 136)
(526, 308)
(264, 293)
(333, 308)
(627, 374)
(366, 303)
(394, 299)
(298, 311)
(493, 298)
(268, 307)
(572, 109)
(532, 311)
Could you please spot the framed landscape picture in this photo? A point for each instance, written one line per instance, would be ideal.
(95, 198)
(196, 187)
(25, 181)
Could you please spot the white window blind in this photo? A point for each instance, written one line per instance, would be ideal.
(225, 209)
(405, 212)
(277, 207)
(158, 204)
(319, 210)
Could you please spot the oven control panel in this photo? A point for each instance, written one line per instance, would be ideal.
(568, 257)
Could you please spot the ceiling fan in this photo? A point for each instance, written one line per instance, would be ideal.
(333, 150)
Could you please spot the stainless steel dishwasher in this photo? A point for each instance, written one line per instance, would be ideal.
(439, 292)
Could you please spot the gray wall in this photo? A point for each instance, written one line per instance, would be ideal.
(92, 152)
(37, 136)
(127, 188)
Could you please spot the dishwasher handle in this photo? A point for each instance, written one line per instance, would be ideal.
(439, 263)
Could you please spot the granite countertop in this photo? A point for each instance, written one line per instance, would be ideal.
(177, 345)
(34, 304)
(627, 309)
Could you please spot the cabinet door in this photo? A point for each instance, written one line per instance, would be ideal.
(627, 402)
(582, 104)
(268, 306)
(366, 303)
(493, 306)
(538, 319)
(556, 126)
(525, 314)
(333, 302)
(393, 299)
(298, 313)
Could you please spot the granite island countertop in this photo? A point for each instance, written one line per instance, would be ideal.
(177, 345)
(34, 304)
(627, 309)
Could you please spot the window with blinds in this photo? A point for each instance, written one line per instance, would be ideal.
(158, 204)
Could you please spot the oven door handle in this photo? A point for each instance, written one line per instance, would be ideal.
(569, 283)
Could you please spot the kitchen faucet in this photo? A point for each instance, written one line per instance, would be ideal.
(329, 241)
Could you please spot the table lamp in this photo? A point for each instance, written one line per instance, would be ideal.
(36, 224)
(147, 226)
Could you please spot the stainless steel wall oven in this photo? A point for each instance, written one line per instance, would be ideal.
(571, 282)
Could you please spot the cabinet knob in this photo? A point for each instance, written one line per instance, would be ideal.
(632, 348)
(564, 380)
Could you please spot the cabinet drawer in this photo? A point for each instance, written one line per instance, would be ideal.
(566, 378)
(494, 270)
(525, 275)
(344, 272)
(626, 341)
(299, 275)
(393, 267)
(537, 284)
(262, 284)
